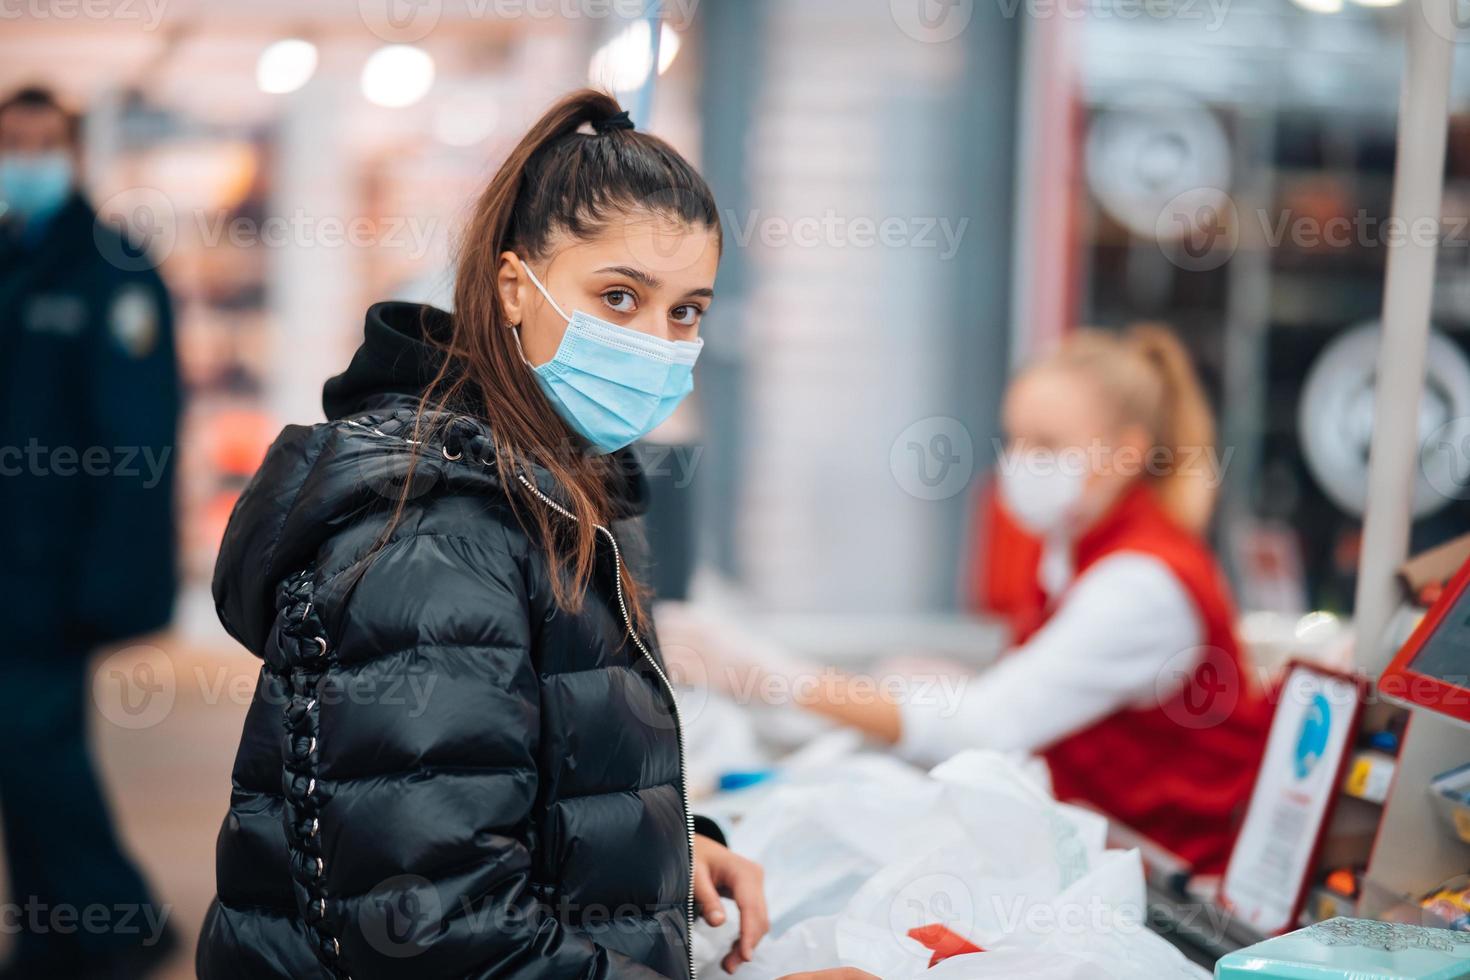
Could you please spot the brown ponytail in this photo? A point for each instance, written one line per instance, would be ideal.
(560, 178)
(1147, 375)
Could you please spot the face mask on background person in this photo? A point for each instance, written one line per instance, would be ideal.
(34, 184)
(613, 385)
(1042, 491)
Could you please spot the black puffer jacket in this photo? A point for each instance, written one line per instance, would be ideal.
(441, 774)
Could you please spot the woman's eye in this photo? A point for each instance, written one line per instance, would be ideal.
(687, 315)
(620, 300)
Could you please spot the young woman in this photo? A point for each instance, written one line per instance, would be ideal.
(463, 756)
(1126, 674)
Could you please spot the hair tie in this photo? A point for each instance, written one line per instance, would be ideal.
(612, 124)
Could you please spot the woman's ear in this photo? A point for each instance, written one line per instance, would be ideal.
(510, 281)
(1139, 444)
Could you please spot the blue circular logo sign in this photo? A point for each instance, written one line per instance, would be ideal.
(1311, 742)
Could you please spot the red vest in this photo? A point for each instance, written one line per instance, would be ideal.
(1180, 773)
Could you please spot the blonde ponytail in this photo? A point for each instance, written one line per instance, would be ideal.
(1185, 426)
(1147, 376)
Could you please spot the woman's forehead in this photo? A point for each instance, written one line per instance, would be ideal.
(1054, 399)
(672, 253)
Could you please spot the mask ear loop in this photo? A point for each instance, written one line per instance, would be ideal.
(537, 283)
(515, 328)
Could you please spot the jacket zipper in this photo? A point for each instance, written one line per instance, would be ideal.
(673, 701)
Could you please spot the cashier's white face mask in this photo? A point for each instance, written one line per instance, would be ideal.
(1042, 492)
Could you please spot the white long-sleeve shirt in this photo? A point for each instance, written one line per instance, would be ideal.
(1126, 633)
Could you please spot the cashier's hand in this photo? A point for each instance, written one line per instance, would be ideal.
(720, 871)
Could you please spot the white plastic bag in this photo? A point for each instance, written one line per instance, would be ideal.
(822, 836)
(867, 849)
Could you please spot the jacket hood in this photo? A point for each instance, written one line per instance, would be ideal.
(318, 480)
(396, 361)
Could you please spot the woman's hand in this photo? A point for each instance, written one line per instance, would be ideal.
(840, 973)
(720, 871)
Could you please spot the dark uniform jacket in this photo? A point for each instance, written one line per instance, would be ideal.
(89, 402)
(441, 774)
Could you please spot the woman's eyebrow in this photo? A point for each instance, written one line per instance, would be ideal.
(651, 282)
(637, 275)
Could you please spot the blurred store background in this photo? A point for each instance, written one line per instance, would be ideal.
(917, 195)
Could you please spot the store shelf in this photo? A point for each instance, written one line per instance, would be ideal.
(1416, 848)
(1369, 775)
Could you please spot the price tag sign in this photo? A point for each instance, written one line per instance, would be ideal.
(1291, 804)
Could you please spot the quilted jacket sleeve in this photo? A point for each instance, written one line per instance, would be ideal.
(411, 836)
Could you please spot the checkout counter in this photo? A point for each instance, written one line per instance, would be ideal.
(1376, 868)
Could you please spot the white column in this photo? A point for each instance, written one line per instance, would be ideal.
(1408, 288)
(311, 280)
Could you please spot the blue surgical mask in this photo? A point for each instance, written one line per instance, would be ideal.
(613, 385)
(34, 185)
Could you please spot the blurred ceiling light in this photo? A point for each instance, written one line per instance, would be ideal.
(1378, 3)
(285, 66)
(668, 47)
(1319, 6)
(622, 64)
(397, 75)
(1316, 625)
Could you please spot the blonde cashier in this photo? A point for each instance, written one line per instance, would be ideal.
(1126, 675)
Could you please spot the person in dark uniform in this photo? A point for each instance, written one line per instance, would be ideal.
(89, 402)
